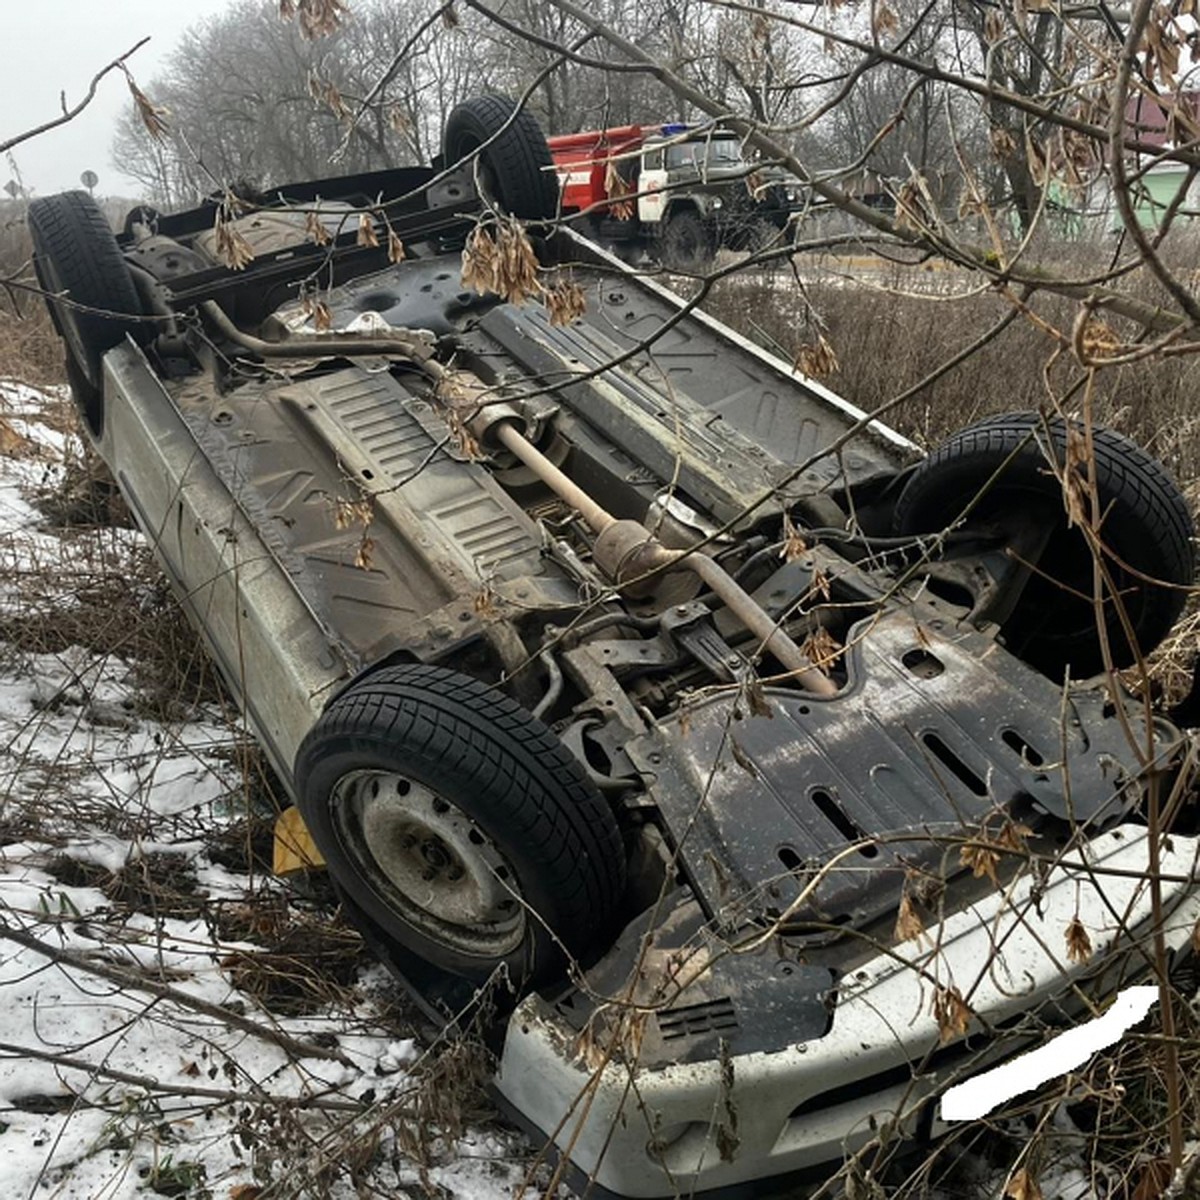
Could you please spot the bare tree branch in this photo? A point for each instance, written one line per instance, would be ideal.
(72, 113)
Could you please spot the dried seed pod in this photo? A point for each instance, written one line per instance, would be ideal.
(366, 231)
(565, 302)
(232, 248)
(153, 116)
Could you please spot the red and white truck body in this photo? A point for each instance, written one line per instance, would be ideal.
(679, 192)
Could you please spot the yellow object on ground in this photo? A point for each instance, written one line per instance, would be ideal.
(294, 848)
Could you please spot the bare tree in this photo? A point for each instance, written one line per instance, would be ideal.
(955, 107)
(250, 97)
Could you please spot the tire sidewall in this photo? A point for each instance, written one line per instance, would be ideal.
(67, 320)
(83, 365)
(351, 754)
(529, 191)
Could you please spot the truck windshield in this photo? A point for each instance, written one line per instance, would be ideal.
(710, 152)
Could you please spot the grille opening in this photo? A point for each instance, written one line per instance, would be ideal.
(956, 766)
(714, 1016)
(840, 819)
(1014, 741)
(958, 1054)
(903, 1073)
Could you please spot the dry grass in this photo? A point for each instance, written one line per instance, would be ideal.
(113, 603)
(29, 348)
(306, 965)
(893, 326)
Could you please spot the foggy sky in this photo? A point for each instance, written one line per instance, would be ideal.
(50, 46)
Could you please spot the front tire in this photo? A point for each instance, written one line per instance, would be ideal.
(685, 244)
(460, 825)
(1146, 529)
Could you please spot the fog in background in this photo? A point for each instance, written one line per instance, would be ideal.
(54, 46)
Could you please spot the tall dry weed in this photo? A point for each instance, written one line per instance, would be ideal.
(891, 325)
(30, 351)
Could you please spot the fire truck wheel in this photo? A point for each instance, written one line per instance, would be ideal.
(685, 243)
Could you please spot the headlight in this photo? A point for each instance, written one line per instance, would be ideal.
(717, 202)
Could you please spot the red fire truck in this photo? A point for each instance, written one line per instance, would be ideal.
(677, 192)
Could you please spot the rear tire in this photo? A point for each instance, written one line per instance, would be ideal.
(1146, 527)
(460, 825)
(76, 253)
(515, 163)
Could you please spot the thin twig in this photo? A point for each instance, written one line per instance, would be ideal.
(127, 977)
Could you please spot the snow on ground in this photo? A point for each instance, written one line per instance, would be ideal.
(166, 1024)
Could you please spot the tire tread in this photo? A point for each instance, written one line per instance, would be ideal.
(536, 789)
(1145, 510)
(519, 155)
(72, 232)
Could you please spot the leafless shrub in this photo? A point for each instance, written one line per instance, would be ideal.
(873, 361)
(308, 965)
(29, 347)
(891, 325)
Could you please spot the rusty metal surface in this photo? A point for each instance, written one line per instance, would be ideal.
(385, 534)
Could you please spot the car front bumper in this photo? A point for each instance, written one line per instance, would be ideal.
(691, 1127)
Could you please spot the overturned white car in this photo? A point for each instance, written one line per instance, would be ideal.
(722, 750)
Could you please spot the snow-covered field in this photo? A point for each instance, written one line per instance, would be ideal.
(173, 1020)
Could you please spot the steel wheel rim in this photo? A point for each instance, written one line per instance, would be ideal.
(430, 861)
